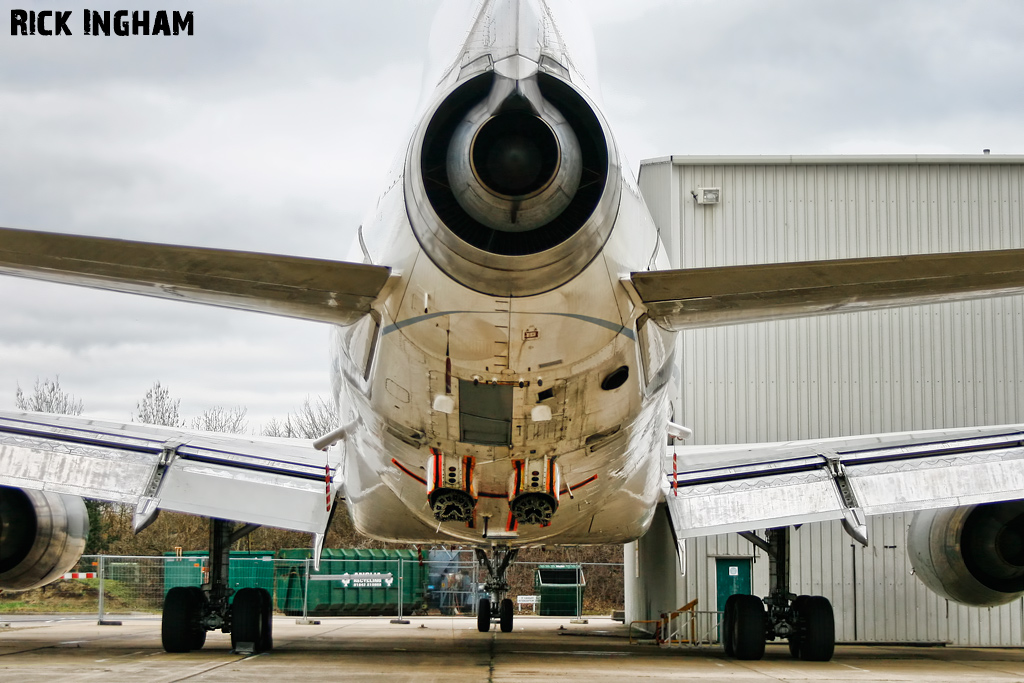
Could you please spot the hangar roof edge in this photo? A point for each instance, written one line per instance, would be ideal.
(833, 159)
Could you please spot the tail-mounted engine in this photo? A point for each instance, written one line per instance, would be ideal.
(973, 555)
(42, 535)
(451, 491)
(534, 490)
(513, 184)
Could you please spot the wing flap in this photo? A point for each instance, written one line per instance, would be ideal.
(304, 288)
(281, 483)
(707, 297)
(738, 488)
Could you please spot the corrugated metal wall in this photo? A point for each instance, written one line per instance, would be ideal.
(916, 368)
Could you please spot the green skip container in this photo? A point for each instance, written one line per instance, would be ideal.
(246, 569)
(560, 587)
(356, 582)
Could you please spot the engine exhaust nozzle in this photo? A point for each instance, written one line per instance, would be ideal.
(514, 162)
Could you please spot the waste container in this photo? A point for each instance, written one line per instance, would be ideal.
(247, 569)
(560, 587)
(351, 581)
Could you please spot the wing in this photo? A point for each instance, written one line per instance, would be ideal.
(305, 288)
(706, 297)
(276, 482)
(714, 489)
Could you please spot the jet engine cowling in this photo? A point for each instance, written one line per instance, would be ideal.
(513, 185)
(973, 555)
(42, 535)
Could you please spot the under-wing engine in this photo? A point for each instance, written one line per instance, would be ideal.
(973, 555)
(42, 535)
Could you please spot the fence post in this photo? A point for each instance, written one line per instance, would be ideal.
(401, 592)
(579, 598)
(305, 600)
(101, 608)
(305, 595)
(99, 569)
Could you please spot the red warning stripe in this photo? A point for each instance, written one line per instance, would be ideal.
(438, 462)
(408, 471)
(580, 485)
(468, 464)
(512, 524)
(79, 575)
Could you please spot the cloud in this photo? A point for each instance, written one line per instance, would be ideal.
(273, 127)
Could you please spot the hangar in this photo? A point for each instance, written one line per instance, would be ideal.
(944, 365)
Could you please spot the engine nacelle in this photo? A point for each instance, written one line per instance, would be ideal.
(513, 185)
(42, 535)
(973, 555)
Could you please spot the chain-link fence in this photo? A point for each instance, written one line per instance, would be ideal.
(363, 582)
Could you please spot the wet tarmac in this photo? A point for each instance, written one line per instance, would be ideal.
(450, 650)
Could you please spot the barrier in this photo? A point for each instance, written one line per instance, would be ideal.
(446, 582)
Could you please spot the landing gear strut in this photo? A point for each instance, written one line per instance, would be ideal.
(190, 611)
(497, 605)
(806, 621)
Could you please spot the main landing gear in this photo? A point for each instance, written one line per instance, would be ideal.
(806, 621)
(497, 606)
(190, 611)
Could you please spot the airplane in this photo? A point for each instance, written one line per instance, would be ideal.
(502, 358)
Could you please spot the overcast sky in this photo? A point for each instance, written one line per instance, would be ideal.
(271, 129)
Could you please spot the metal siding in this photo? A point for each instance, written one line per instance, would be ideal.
(924, 367)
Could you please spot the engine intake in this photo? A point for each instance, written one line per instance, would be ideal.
(973, 555)
(42, 535)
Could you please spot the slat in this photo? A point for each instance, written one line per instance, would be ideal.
(271, 482)
(743, 487)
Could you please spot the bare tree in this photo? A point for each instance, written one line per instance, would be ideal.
(48, 397)
(313, 419)
(220, 419)
(157, 408)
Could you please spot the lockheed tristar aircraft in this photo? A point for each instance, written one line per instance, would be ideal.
(502, 359)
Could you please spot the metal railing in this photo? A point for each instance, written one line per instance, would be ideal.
(127, 586)
(685, 627)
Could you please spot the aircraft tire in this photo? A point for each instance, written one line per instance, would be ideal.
(506, 615)
(749, 627)
(180, 625)
(483, 615)
(199, 631)
(266, 643)
(728, 627)
(819, 640)
(247, 618)
(796, 636)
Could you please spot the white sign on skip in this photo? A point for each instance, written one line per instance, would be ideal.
(359, 579)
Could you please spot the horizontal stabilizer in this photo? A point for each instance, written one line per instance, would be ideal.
(304, 288)
(716, 489)
(275, 482)
(706, 297)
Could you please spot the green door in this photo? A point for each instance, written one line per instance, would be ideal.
(732, 576)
